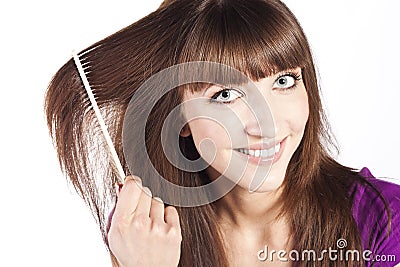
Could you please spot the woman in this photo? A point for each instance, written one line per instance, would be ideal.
(301, 200)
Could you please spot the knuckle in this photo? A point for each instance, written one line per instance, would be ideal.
(179, 238)
(175, 234)
(141, 221)
(120, 223)
(114, 238)
(110, 236)
(157, 228)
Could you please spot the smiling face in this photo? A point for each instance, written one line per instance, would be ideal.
(249, 135)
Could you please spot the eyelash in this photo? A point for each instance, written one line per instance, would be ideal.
(295, 76)
(212, 99)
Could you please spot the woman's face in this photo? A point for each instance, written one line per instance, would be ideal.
(249, 136)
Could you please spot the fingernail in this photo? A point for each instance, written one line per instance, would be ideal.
(138, 181)
(158, 199)
(147, 191)
(136, 178)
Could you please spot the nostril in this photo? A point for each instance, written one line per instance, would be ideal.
(263, 131)
(253, 130)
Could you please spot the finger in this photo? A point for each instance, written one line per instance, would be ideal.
(144, 204)
(128, 198)
(172, 216)
(157, 210)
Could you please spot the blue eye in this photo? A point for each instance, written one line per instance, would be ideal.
(226, 96)
(286, 81)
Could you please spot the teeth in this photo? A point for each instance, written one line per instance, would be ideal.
(264, 153)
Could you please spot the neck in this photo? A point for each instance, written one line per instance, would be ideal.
(252, 215)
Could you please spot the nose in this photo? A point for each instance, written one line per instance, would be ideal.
(259, 121)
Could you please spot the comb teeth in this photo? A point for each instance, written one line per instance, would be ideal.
(121, 174)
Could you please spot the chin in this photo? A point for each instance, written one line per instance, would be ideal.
(275, 177)
(270, 183)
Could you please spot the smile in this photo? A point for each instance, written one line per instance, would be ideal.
(265, 155)
(261, 153)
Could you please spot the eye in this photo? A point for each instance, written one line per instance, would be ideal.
(226, 96)
(286, 81)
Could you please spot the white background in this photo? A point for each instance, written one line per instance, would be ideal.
(43, 221)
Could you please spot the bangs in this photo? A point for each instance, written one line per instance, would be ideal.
(252, 36)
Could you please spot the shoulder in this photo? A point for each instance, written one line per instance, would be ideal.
(376, 211)
(390, 191)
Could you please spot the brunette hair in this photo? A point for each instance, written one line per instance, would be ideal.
(256, 37)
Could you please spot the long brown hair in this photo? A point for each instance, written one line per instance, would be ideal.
(257, 37)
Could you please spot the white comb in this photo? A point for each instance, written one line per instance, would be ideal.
(121, 174)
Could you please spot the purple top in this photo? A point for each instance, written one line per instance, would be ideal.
(372, 220)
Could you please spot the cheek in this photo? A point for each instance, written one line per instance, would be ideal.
(303, 113)
(208, 135)
(296, 113)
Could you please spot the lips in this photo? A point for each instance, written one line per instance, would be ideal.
(263, 152)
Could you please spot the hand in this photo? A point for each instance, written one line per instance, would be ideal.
(143, 233)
